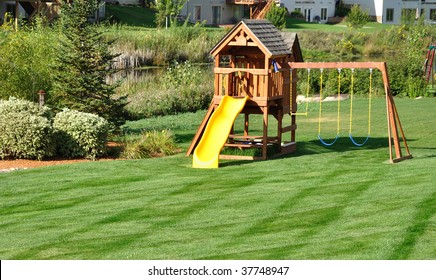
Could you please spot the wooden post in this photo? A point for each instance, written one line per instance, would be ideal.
(392, 123)
(279, 129)
(41, 94)
(293, 104)
(265, 133)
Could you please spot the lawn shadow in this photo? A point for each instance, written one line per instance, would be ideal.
(315, 147)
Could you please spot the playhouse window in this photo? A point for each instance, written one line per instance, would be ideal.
(224, 61)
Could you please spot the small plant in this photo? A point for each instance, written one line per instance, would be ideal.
(150, 144)
(296, 14)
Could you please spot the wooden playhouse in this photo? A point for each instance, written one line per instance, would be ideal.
(251, 62)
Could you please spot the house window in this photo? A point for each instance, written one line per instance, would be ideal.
(389, 15)
(197, 13)
(433, 14)
(216, 14)
(324, 14)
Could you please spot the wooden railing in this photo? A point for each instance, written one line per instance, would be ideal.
(245, 2)
(262, 6)
(258, 84)
(262, 9)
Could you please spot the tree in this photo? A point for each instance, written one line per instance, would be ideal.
(277, 16)
(83, 64)
(168, 8)
(357, 17)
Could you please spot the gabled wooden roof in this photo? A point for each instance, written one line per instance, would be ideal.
(260, 33)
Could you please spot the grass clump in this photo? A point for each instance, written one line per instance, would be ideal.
(150, 144)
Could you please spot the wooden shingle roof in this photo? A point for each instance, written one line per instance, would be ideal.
(261, 33)
(268, 35)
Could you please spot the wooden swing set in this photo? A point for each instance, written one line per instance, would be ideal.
(393, 119)
(256, 62)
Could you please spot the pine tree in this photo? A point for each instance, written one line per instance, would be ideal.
(83, 64)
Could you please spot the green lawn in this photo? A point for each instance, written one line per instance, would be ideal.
(131, 15)
(319, 203)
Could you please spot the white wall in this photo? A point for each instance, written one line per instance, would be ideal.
(378, 8)
(313, 7)
(226, 11)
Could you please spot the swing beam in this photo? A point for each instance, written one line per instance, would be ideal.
(393, 120)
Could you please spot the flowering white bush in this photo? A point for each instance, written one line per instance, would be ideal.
(15, 105)
(24, 135)
(79, 134)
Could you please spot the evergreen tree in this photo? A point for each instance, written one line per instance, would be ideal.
(83, 64)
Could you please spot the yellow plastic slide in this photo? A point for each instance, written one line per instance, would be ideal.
(217, 131)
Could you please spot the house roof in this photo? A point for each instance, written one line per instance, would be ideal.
(261, 33)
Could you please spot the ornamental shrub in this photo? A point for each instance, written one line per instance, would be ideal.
(15, 105)
(25, 136)
(150, 144)
(79, 134)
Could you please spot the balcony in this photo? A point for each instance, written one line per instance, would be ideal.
(245, 2)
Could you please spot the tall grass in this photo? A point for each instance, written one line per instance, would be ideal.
(142, 47)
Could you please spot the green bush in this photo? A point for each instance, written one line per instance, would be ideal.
(15, 105)
(277, 16)
(26, 130)
(79, 134)
(150, 144)
(357, 17)
(25, 135)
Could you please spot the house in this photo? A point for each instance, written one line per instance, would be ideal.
(29, 8)
(391, 11)
(217, 12)
(313, 11)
